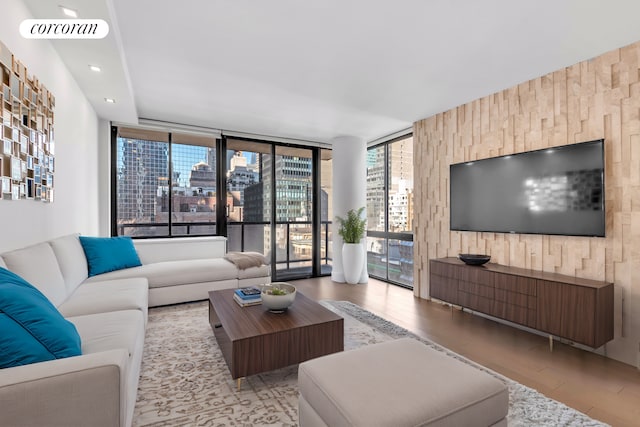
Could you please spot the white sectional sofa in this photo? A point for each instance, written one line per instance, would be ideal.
(109, 311)
(186, 269)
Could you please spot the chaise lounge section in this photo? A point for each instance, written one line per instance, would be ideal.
(186, 269)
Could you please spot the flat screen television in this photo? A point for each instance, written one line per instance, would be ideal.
(552, 191)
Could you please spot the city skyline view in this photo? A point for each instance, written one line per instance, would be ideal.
(190, 155)
(152, 204)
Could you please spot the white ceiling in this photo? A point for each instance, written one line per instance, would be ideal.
(318, 69)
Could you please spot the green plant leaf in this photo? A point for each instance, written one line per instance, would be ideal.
(352, 227)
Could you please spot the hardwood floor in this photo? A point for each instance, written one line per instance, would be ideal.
(602, 388)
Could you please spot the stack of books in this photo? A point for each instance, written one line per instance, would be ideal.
(248, 296)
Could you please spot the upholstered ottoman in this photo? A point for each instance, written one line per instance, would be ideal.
(398, 383)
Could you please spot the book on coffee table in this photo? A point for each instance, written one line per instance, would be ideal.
(248, 294)
(249, 291)
(242, 302)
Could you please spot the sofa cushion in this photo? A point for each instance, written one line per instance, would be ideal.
(251, 272)
(106, 296)
(109, 331)
(116, 330)
(170, 273)
(105, 254)
(32, 329)
(2, 264)
(71, 260)
(38, 265)
(180, 248)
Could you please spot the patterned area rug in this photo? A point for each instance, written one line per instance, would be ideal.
(185, 380)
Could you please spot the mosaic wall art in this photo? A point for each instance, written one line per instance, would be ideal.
(26, 133)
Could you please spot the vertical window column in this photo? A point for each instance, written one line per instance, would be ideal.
(390, 211)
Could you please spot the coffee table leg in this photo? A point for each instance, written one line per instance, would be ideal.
(239, 383)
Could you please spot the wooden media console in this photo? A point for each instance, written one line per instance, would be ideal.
(579, 310)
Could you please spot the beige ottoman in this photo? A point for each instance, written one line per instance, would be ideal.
(398, 383)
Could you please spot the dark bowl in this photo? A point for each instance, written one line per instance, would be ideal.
(474, 259)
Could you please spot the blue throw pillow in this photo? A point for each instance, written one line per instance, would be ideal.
(106, 254)
(31, 328)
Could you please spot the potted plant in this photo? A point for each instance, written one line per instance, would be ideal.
(352, 230)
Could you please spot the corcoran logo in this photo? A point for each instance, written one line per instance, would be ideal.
(64, 28)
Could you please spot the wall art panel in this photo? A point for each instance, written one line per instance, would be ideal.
(27, 163)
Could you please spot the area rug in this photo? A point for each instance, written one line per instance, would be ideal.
(185, 380)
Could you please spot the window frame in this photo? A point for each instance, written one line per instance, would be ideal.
(407, 236)
(221, 221)
(114, 181)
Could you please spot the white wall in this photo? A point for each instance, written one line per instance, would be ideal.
(104, 177)
(75, 207)
(349, 192)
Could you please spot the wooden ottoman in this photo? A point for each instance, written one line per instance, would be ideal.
(398, 383)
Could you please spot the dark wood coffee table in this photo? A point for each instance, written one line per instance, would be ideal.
(254, 340)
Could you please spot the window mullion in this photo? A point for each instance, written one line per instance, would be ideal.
(170, 190)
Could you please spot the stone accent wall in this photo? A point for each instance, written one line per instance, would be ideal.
(598, 98)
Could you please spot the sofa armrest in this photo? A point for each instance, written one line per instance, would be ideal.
(180, 248)
(75, 391)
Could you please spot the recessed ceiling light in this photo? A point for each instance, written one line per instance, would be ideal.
(69, 12)
(110, 100)
(95, 68)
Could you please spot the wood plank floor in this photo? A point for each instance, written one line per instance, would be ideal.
(604, 389)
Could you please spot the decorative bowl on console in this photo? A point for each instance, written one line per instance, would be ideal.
(474, 259)
(278, 296)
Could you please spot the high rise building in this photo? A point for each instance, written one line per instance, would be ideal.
(254, 204)
(239, 177)
(203, 177)
(399, 182)
(400, 210)
(375, 189)
(401, 185)
(211, 159)
(193, 207)
(294, 192)
(143, 166)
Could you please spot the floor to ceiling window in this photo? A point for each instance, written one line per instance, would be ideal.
(273, 198)
(390, 211)
(294, 211)
(326, 211)
(272, 205)
(249, 204)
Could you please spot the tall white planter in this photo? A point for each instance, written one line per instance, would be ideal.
(352, 262)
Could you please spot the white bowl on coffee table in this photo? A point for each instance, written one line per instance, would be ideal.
(278, 303)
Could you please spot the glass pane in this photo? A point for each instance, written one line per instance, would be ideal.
(375, 189)
(400, 260)
(377, 257)
(193, 189)
(142, 174)
(294, 209)
(234, 237)
(401, 185)
(248, 206)
(255, 238)
(326, 205)
(294, 250)
(390, 259)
